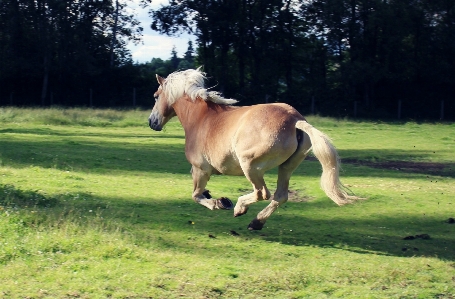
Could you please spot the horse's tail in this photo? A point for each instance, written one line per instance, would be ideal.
(327, 155)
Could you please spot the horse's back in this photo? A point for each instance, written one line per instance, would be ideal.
(274, 115)
(269, 124)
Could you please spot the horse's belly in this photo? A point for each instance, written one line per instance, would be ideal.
(228, 166)
(232, 171)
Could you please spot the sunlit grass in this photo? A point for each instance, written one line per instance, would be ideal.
(95, 208)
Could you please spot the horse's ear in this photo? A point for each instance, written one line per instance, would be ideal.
(160, 79)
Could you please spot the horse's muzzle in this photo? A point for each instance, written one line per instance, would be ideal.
(154, 124)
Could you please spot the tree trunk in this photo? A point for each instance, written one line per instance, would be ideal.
(45, 81)
(114, 33)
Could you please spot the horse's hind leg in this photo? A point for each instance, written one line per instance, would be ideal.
(260, 192)
(279, 198)
(285, 171)
(200, 179)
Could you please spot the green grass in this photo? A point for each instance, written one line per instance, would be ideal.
(94, 204)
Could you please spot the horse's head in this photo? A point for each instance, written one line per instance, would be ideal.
(162, 112)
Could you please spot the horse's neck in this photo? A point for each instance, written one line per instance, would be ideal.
(190, 113)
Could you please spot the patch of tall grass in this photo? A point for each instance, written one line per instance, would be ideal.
(74, 116)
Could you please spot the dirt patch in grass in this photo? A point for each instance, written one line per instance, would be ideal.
(295, 196)
(433, 168)
(407, 166)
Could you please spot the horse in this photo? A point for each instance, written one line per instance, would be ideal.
(243, 140)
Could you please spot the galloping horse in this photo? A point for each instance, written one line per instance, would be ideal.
(249, 140)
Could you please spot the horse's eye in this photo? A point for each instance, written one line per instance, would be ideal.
(156, 98)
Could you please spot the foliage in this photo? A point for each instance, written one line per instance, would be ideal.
(356, 57)
(165, 67)
(118, 220)
(74, 53)
(54, 52)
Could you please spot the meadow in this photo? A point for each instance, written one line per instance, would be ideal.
(94, 204)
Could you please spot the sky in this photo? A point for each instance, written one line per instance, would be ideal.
(153, 44)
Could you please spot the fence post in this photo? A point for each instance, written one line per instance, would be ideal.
(399, 109)
(441, 115)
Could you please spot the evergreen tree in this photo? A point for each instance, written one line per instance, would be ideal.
(189, 55)
(174, 59)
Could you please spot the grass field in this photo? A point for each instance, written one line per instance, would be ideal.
(94, 204)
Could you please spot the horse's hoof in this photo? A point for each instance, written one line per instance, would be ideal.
(207, 195)
(242, 211)
(255, 225)
(224, 203)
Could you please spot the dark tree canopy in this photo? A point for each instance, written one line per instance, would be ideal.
(62, 48)
(334, 57)
(343, 55)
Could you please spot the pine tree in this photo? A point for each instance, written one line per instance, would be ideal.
(174, 59)
(189, 55)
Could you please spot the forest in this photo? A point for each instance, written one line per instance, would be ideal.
(344, 58)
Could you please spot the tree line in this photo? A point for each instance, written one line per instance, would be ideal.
(366, 58)
(338, 57)
(54, 50)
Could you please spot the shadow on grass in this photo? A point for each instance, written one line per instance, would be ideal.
(394, 234)
(12, 197)
(145, 133)
(319, 224)
(89, 156)
(185, 226)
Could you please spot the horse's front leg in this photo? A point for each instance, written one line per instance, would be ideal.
(245, 201)
(200, 179)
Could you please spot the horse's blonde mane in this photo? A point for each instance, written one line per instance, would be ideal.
(191, 82)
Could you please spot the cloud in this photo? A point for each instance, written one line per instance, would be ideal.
(158, 46)
(155, 45)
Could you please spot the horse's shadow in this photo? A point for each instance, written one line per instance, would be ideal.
(393, 235)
